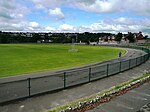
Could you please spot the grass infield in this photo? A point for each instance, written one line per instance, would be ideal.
(17, 59)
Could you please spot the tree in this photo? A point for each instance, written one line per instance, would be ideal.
(146, 36)
(118, 37)
(130, 37)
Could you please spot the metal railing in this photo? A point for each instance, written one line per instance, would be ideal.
(32, 86)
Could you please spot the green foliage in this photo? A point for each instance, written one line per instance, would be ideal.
(8, 37)
(130, 37)
(17, 59)
(118, 37)
(146, 36)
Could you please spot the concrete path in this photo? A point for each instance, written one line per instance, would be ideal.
(132, 101)
(48, 101)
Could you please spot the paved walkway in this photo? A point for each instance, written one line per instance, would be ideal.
(48, 101)
(145, 108)
(132, 101)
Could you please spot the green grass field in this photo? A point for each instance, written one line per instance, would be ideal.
(17, 59)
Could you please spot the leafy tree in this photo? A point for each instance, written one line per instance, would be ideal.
(118, 37)
(146, 36)
(130, 37)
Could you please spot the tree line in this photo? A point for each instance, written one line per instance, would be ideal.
(86, 37)
(12, 37)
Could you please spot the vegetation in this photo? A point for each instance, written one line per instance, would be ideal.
(20, 37)
(118, 37)
(59, 108)
(130, 37)
(17, 59)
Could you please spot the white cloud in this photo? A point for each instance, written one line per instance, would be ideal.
(140, 7)
(56, 12)
(117, 25)
(12, 15)
(121, 24)
(48, 28)
(66, 27)
(48, 3)
(34, 24)
(96, 6)
(51, 7)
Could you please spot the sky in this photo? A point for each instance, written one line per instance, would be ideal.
(111, 16)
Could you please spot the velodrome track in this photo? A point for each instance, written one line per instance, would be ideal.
(55, 98)
(131, 53)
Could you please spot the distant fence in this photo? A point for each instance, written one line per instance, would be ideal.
(32, 86)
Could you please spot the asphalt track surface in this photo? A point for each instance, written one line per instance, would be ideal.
(48, 101)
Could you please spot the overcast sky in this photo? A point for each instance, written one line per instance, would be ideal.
(75, 15)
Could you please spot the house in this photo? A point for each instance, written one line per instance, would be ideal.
(140, 38)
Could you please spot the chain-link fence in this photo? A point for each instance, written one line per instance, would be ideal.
(32, 86)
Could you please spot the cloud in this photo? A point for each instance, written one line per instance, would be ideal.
(66, 27)
(140, 7)
(48, 3)
(97, 6)
(34, 24)
(88, 5)
(48, 28)
(12, 15)
(51, 7)
(120, 24)
(57, 13)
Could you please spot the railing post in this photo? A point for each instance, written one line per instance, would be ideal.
(120, 67)
(136, 61)
(129, 63)
(89, 74)
(64, 79)
(107, 69)
(29, 87)
(141, 60)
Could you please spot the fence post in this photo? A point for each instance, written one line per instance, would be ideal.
(89, 74)
(141, 60)
(107, 69)
(120, 67)
(29, 87)
(129, 63)
(64, 79)
(136, 61)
